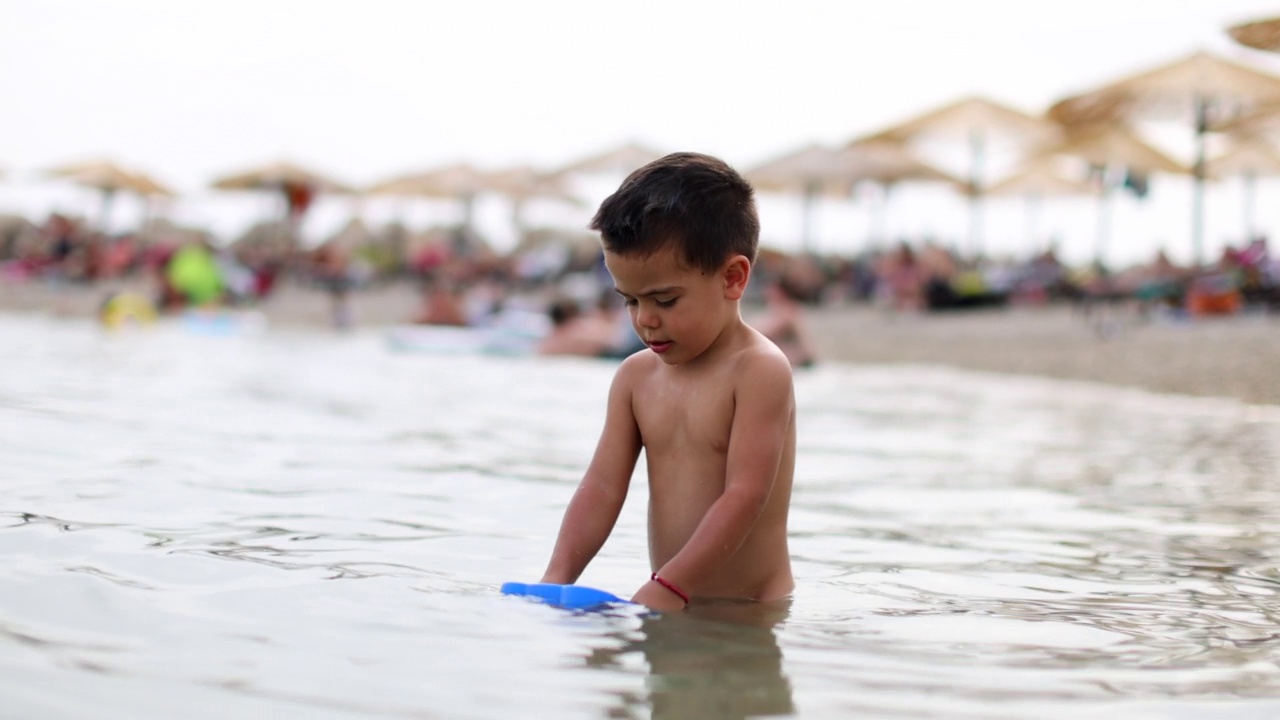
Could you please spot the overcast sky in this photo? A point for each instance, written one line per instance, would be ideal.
(191, 89)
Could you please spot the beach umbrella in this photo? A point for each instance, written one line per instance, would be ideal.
(1263, 119)
(977, 122)
(459, 181)
(618, 160)
(278, 175)
(809, 170)
(1249, 157)
(109, 178)
(1112, 151)
(521, 184)
(298, 185)
(1202, 88)
(816, 169)
(890, 164)
(1036, 180)
(1113, 145)
(1258, 34)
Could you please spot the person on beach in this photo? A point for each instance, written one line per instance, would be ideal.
(710, 399)
(573, 333)
(784, 323)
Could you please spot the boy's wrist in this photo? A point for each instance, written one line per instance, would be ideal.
(671, 587)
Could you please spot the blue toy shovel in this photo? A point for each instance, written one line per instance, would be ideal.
(569, 597)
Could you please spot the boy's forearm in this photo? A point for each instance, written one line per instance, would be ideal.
(587, 523)
(722, 531)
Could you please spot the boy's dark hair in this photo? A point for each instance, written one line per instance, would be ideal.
(692, 202)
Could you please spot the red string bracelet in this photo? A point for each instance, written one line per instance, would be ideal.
(670, 586)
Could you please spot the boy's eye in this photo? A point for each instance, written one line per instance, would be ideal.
(666, 303)
(629, 302)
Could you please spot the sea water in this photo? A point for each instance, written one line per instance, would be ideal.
(307, 524)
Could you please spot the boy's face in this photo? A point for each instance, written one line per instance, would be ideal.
(676, 310)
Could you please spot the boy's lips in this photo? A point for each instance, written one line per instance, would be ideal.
(659, 347)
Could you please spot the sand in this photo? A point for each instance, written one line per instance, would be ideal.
(1234, 357)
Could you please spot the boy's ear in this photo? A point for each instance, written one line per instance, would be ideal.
(736, 273)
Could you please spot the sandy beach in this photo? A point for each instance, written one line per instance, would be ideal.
(1235, 357)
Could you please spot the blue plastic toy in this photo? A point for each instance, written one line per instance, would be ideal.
(569, 597)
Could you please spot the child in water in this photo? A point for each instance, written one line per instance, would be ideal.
(710, 400)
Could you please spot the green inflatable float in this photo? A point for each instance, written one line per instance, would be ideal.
(194, 273)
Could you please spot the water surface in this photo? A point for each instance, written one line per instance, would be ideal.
(300, 524)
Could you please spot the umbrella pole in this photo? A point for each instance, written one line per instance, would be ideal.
(975, 194)
(882, 214)
(517, 218)
(1031, 208)
(1250, 218)
(1104, 223)
(104, 210)
(806, 233)
(1197, 202)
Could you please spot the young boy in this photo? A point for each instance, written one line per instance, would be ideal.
(710, 400)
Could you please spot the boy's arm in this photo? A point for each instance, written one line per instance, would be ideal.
(596, 504)
(761, 422)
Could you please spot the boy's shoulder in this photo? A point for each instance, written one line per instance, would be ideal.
(762, 359)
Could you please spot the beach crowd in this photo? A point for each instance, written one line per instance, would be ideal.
(461, 281)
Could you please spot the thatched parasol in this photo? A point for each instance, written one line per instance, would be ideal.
(296, 184)
(1111, 147)
(1259, 34)
(109, 178)
(1249, 157)
(621, 159)
(815, 169)
(977, 122)
(1203, 88)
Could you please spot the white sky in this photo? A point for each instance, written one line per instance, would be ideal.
(191, 89)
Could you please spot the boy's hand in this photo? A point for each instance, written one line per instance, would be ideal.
(655, 597)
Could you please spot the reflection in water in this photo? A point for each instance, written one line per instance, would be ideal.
(719, 659)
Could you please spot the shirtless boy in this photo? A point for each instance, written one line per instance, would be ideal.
(709, 401)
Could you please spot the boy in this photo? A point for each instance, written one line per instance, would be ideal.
(710, 400)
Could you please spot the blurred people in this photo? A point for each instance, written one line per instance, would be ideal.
(576, 333)
(902, 280)
(1162, 283)
(332, 267)
(442, 304)
(783, 323)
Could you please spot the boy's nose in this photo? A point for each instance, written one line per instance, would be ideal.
(646, 318)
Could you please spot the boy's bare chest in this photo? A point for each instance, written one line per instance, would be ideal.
(685, 417)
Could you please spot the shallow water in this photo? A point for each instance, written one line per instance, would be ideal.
(307, 525)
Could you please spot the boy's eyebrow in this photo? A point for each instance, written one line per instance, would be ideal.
(655, 291)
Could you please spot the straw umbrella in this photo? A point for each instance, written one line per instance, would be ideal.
(109, 178)
(459, 181)
(1111, 147)
(621, 159)
(1249, 157)
(523, 183)
(1258, 34)
(814, 169)
(809, 170)
(892, 165)
(279, 176)
(978, 122)
(296, 184)
(1036, 180)
(1207, 89)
